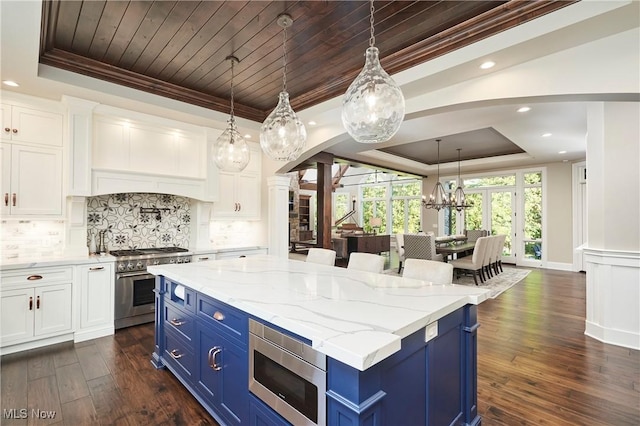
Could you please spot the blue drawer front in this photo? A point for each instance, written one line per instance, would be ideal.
(188, 299)
(179, 355)
(180, 322)
(230, 320)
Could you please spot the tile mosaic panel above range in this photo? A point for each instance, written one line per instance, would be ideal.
(138, 220)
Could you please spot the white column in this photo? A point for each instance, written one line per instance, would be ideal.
(612, 255)
(80, 137)
(278, 233)
(200, 224)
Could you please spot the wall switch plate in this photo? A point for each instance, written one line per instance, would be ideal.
(431, 331)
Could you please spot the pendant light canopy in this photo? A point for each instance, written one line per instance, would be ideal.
(231, 152)
(373, 107)
(282, 135)
(459, 199)
(438, 198)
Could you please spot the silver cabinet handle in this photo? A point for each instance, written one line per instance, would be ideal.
(97, 268)
(176, 322)
(212, 358)
(175, 355)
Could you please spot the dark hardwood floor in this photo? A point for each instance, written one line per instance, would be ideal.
(535, 367)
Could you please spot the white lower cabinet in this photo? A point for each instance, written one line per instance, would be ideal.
(95, 306)
(35, 304)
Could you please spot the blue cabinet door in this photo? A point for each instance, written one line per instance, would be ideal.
(261, 415)
(222, 377)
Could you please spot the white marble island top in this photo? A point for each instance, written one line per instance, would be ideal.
(356, 317)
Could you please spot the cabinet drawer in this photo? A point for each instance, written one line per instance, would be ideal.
(231, 320)
(36, 276)
(179, 354)
(180, 322)
(180, 296)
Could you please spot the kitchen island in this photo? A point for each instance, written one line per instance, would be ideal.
(398, 351)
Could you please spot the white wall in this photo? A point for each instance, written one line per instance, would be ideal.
(559, 214)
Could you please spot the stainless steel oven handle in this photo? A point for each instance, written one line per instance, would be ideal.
(134, 274)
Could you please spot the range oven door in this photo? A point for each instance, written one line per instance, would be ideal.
(293, 388)
(134, 298)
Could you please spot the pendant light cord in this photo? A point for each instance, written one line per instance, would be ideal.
(284, 60)
(372, 38)
(438, 159)
(232, 75)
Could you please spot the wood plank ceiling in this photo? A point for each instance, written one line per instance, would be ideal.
(177, 49)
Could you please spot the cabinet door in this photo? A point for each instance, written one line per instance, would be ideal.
(36, 181)
(5, 110)
(52, 309)
(227, 206)
(248, 195)
(17, 315)
(5, 175)
(223, 375)
(96, 295)
(36, 126)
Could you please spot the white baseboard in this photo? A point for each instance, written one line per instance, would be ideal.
(83, 335)
(560, 266)
(35, 344)
(615, 337)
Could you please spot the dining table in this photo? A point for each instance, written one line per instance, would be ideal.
(458, 250)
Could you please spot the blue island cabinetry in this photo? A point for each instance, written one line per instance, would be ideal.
(430, 381)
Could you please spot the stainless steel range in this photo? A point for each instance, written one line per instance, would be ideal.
(134, 296)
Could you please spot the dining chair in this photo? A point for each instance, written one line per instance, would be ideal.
(474, 234)
(400, 250)
(418, 246)
(428, 270)
(321, 256)
(499, 249)
(368, 262)
(488, 256)
(475, 262)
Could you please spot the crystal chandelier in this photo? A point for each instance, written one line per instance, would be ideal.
(230, 151)
(438, 198)
(282, 135)
(459, 199)
(373, 107)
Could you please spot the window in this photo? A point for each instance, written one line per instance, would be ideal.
(532, 238)
(374, 204)
(406, 206)
(341, 205)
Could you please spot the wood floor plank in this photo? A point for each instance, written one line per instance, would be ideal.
(108, 401)
(65, 355)
(43, 398)
(80, 412)
(40, 364)
(91, 362)
(13, 388)
(71, 383)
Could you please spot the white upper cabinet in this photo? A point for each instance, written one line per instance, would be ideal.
(31, 125)
(132, 146)
(31, 180)
(240, 192)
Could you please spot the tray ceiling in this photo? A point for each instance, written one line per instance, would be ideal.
(177, 49)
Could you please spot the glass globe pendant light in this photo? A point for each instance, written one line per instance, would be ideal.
(230, 151)
(373, 107)
(282, 135)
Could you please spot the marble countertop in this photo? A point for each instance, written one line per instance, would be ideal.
(7, 264)
(356, 317)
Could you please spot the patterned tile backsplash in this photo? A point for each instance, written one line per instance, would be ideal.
(126, 227)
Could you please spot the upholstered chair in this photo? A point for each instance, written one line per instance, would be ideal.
(474, 234)
(366, 262)
(499, 249)
(489, 255)
(417, 246)
(473, 263)
(321, 256)
(400, 250)
(428, 270)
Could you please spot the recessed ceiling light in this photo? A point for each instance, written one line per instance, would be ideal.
(312, 123)
(486, 65)
(524, 109)
(562, 152)
(546, 135)
(11, 83)
(247, 136)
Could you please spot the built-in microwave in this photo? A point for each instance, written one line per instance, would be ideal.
(287, 375)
